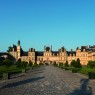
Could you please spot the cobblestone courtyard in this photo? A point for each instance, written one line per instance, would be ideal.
(48, 80)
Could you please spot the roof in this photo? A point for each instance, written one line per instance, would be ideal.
(3, 53)
(39, 53)
(9, 55)
(71, 52)
(47, 48)
(55, 52)
(24, 53)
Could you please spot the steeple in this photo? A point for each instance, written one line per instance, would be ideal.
(44, 47)
(51, 47)
(18, 42)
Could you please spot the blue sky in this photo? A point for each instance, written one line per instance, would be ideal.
(68, 23)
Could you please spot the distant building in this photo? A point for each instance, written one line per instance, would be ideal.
(85, 54)
(4, 55)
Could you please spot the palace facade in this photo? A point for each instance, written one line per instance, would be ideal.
(85, 54)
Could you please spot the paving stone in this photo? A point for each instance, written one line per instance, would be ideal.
(48, 80)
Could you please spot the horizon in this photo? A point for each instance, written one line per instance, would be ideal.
(47, 22)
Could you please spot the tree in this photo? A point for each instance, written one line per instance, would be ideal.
(91, 64)
(1, 60)
(60, 65)
(35, 64)
(7, 62)
(24, 64)
(30, 64)
(41, 63)
(55, 64)
(66, 64)
(73, 63)
(78, 64)
(18, 63)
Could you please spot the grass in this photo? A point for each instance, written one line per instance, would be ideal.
(85, 70)
(9, 69)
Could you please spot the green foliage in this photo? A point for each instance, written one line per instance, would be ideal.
(73, 63)
(18, 63)
(61, 65)
(1, 60)
(91, 64)
(74, 70)
(30, 64)
(66, 64)
(23, 64)
(7, 63)
(41, 63)
(76, 64)
(12, 69)
(35, 64)
(47, 64)
(55, 64)
(91, 75)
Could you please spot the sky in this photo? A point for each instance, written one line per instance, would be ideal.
(68, 23)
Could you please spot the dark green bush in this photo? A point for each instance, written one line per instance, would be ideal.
(91, 75)
(35, 64)
(75, 70)
(7, 63)
(47, 64)
(61, 65)
(76, 64)
(91, 64)
(30, 64)
(55, 64)
(66, 64)
(41, 63)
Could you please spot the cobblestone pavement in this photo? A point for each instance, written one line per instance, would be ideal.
(48, 80)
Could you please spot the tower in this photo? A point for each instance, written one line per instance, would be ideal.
(51, 47)
(18, 49)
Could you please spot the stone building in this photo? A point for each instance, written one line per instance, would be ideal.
(85, 54)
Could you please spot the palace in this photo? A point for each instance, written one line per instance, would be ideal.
(85, 54)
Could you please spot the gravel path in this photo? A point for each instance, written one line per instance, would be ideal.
(48, 80)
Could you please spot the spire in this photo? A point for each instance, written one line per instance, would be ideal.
(19, 42)
(44, 47)
(51, 47)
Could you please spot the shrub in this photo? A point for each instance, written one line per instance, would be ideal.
(74, 70)
(55, 64)
(76, 64)
(47, 64)
(30, 64)
(66, 64)
(7, 63)
(35, 64)
(91, 75)
(23, 64)
(61, 65)
(18, 63)
(41, 63)
(73, 63)
(91, 64)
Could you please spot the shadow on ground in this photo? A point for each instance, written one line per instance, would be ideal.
(21, 82)
(84, 88)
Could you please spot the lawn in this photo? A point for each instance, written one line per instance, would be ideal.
(10, 69)
(85, 70)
